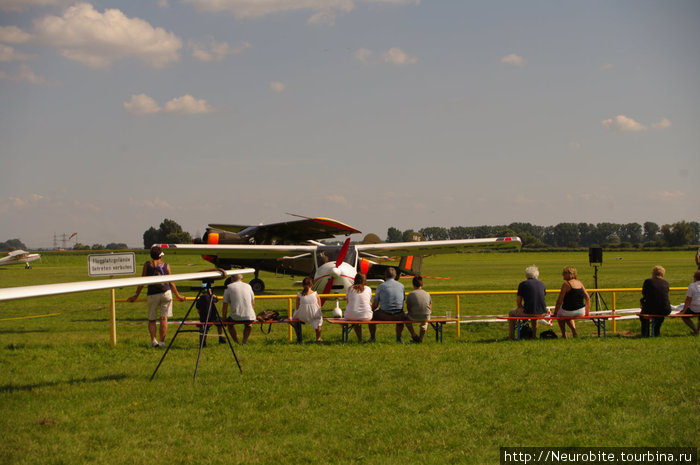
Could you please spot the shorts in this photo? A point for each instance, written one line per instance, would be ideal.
(694, 312)
(160, 305)
(381, 315)
(244, 322)
(580, 312)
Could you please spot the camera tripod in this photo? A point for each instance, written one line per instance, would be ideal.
(213, 318)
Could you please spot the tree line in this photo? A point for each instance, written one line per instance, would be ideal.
(568, 234)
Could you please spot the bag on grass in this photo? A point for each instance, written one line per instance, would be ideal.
(526, 332)
(549, 334)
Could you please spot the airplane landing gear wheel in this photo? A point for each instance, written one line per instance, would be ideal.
(258, 285)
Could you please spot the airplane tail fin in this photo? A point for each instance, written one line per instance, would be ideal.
(411, 265)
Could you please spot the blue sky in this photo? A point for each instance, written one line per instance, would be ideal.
(117, 114)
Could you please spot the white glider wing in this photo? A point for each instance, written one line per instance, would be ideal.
(240, 251)
(12, 293)
(438, 247)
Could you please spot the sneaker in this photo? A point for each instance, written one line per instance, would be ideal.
(161, 344)
(222, 340)
(155, 344)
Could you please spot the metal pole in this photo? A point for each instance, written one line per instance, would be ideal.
(113, 321)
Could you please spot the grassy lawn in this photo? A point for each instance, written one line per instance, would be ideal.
(67, 396)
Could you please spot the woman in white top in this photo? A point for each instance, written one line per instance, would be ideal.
(692, 303)
(308, 308)
(359, 297)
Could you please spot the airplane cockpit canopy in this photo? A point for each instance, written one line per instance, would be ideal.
(329, 253)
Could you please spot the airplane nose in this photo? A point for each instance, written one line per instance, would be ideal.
(335, 272)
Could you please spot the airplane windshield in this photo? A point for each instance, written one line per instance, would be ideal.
(329, 253)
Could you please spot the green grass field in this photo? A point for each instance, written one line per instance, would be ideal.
(67, 396)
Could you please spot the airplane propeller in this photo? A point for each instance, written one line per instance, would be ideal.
(335, 272)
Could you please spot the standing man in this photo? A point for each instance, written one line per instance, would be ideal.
(240, 297)
(388, 304)
(419, 306)
(159, 296)
(530, 300)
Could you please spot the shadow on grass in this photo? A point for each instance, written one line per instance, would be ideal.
(10, 388)
(23, 331)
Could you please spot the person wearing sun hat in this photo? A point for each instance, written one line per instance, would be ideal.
(159, 296)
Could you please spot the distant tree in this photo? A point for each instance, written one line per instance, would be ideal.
(696, 227)
(406, 235)
(79, 246)
(631, 232)
(97, 247)
(168, 232)
(434, 233)
(566, 235)
(651, 231)
(12, 244)
(150, 237)
(677, 234)
(116, 246)
(607, 233)
(393, 235)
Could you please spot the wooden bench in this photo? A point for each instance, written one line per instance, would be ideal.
(347, 325)
(649, 316)
(521, 321)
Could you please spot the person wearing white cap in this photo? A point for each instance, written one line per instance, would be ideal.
(160, 296)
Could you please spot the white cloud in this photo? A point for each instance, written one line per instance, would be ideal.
(16, 203)
(20, 5)
(513, 59)
(187, 105)
(666, 196)
(156, 204)
(663, 124)
(8, 53)
(258, 8)
(14, 35)
(142, 104)
(322, 18)
(323, 11)
(393, 56)
(278, 87)
(25, 74)
(215, 51)
(622, 123)
(363, 55)
(396, 56)
(98, 39)
(338, 200)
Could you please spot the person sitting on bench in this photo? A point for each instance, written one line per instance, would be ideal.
(573, 301)
(530, 300)
(419, 307)
(388, 303)
(692, 303)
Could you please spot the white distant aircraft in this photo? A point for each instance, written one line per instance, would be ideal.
(19, 256)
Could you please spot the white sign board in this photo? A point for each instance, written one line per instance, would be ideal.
(112, 264)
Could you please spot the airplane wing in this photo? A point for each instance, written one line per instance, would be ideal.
(298, 231)
(437, 247)
(240, 251)
(23, 292)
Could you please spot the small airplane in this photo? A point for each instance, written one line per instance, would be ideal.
(275, 248)
(19, 256)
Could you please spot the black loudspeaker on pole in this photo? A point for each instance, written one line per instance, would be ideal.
(595, 255)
